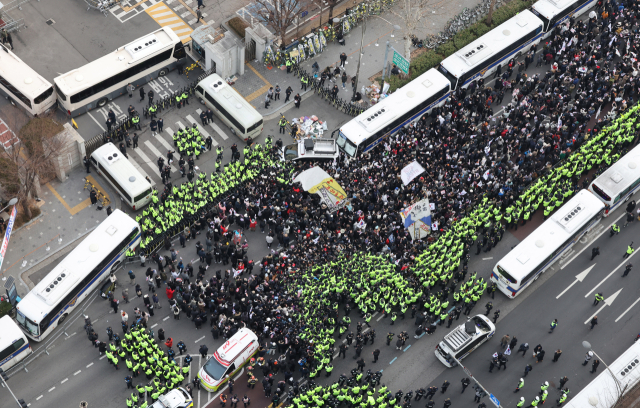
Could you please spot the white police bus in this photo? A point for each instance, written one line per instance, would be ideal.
(536, 253)
(99, 81)
(392, 113)
(554, 12)
(481, 58)
(619, 182)
(14, 345)
(57, 295)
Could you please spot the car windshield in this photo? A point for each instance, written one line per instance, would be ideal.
(481, 324)
(290, 152)
(214, 369)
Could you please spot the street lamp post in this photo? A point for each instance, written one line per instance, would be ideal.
(364, 28)
(11, 202)
(587, 345)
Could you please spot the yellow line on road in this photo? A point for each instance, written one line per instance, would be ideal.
(86, 203)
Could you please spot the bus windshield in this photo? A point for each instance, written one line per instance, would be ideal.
(214, 369)
(506, 275)
(346, 145)
(27, 324)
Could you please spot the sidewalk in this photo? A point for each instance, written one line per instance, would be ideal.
(67, 215)
(255, 83)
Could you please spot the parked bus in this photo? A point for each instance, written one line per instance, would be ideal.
(611, 384)
(464, 339)
(72, 280)
(554, 12)
(230, 107)
(14, 345)
(392, 113)
(619, 182)
(99, 81)
(22, 86)
(536, 253)
(480, 59)
(133, 187)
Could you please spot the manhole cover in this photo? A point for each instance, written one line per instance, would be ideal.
(51, 21)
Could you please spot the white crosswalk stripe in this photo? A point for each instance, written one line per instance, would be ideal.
(214, 127)
(155, 151)
(202, 131)
(148, 161)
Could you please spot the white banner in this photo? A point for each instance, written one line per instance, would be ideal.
(411, 171)
(417, 219)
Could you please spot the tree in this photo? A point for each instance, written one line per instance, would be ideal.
(24, 163)
(492, 7)
(279, 15)
(414, 15)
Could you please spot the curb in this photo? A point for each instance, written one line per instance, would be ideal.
(25, 279)
(29, 223)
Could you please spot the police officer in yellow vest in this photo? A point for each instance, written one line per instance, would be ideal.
(288, 64)
(136, 121)
(282, 124)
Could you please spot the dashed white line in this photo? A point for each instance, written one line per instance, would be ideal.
(154, 325)
(39, 397)
(165, 319)
(103, 357)
(200, 339)
(64, 381)
(486, 259)
(379, 318)
(89, 365)
(77, 372)
(51, 389)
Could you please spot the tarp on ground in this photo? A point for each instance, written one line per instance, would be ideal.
(417, 219)
(317, 181)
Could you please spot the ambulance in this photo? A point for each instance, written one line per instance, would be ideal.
(228, 359)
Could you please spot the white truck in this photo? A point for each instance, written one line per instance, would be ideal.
(311, 149)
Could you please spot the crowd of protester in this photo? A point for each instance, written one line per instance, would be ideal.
(484, 174)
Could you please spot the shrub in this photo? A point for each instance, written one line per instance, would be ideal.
(5, 308)
(238, 25)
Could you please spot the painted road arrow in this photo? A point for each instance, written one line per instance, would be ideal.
(579, 278)
(607, 302)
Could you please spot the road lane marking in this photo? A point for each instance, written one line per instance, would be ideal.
(379, 318)
(154, 325)
(51, 389)
(77, 372)
(394, 359)
(165, 319)
(406, 348)
(155, 151)
(97, 123)
(103, 357)
(201, 130)
(89, 365)
(64, 381)
(579, 278)
(147, 160)
(595, 238)
(164, 142)
(612, 272)
(486, 259)
(629, 308)
(39, 397)
(200, 339)
(219, 131)
(607, 302)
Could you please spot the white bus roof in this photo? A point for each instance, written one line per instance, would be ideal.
(75, 266)
(121, 169)
(602, 391)
(550, 8)
(9, 332)
(544, 241)
(402, 100)
(620, 175)
(21, 75)
(116, 61)
(495, 40)
(230, 100)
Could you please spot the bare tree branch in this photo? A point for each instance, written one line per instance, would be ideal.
(279, 15)
(414, 14)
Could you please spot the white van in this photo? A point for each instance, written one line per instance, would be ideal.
(229, 358)
(462, 340)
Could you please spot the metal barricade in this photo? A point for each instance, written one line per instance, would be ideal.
(101, 5)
